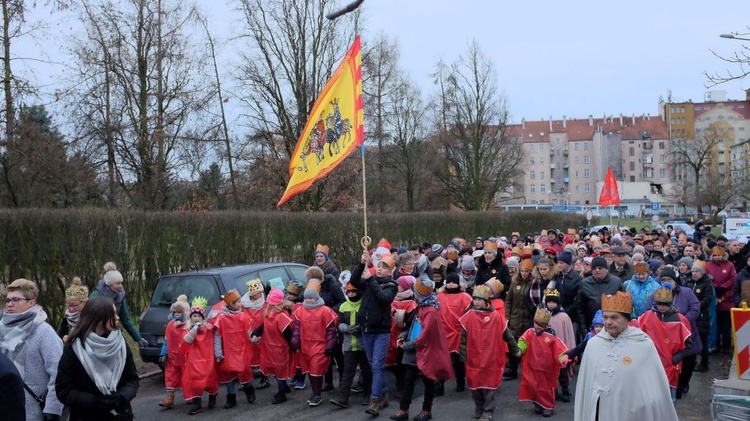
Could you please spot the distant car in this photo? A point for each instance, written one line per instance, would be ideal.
(211, 284)
(631, 214)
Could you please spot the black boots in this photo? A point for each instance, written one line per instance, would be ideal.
(249, 393)
(196, 408)
(511, 373)
(702, 367)
(231, 401)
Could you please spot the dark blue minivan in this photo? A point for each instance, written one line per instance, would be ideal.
(211, 283)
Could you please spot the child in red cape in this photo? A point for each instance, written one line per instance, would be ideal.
(453, 305)
(199, 371)
(233, 336)
(170, 355)
(275, 351)
(254, 305)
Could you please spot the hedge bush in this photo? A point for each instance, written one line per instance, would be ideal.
(52, 246)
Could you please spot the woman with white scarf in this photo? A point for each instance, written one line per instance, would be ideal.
(96, 377)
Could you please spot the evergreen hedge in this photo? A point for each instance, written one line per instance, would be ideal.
(52, 246)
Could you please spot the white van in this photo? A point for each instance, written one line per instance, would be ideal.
(737, 228)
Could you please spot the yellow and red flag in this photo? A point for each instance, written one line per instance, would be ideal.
(610, 194)
(334, 129)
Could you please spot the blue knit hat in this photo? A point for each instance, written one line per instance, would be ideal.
(598, 319)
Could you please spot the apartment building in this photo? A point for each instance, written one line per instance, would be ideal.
(567, 159)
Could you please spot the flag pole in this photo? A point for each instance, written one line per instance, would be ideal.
(366, 240)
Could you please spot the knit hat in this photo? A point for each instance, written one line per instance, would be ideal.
(641, 267)
(496, 287)
(527, 264)
(552, 295)
(598, 319)
(452, 278)
(198, 306)
(512, 262)
(437, 248)
(322, 249)
(311, 293)
(477, 253)
(699, 266)
(406, 282)
(588, 259)
(113, 277)
(542, 317)
(598, 262)
(423, 288)
(467, 263)
(181, 305)
(232, 296)
(77, 290)
(275, 297)
(565, 257)
(481, 291)
(686, 260)
(668, 272)
(254, 286)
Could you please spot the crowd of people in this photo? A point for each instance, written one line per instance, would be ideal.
(624, 308)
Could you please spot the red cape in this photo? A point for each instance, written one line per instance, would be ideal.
(313, 325)
(540, 368)
(275, 355)
(452, 307)
(433, 358)
(233, 330)
(199, 371)
(668, 338)
(256, 319)
(485, 348)
(391, 357)
(175, 359)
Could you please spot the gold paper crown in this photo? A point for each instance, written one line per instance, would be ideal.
(490, 246)
(663, 295)
(481, 291)
(542, 317)
(496, 287)
(294, 288)
(313, 284)
(621, 302)
(422, 289)
(254, 286)
(641, 267)
(198, 305)
(322, 247)
(231, 296)
(77, 290)
(552, 293)
(388, 260)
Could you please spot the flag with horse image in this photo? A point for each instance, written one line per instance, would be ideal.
(334, 129)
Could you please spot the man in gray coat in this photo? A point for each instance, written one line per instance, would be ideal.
(33, 346)
(589, 298)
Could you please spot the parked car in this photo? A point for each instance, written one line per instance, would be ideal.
(212, 284)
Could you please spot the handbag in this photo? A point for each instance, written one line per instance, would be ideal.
(41, 400)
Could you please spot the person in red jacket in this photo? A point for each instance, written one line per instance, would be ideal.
(254, 305)
(543, 356)
(453, 304)
(485, 351)
(170, 356)
(425, 351)
(314, 336)
(402, 311)
(724, 276)
(232, 348)
(275, 351)
(199, 371)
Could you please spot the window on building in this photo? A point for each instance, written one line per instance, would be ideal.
(575, 146)
(632, 165)
(662, 158)
(632, 179)
(541, 147)
(532, 188)
(586, 173)
(631, 151)
(542, 188)
(661, 145)
(531, 147)
(541, 161)
(557, 152)
(578, 174)
(559, 166)
(587, 188)
(541, 175)
(662, 173)
(585, 159)
(576, 160)
(578, 188)
(585, 146)
(557, 141)
(531, 160)
(532, 174)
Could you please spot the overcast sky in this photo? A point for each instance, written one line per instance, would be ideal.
(553, 58)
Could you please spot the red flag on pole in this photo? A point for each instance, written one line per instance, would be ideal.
(610, 194)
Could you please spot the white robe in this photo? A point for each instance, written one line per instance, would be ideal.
(625, 376)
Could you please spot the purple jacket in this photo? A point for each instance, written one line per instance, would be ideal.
(687, 304)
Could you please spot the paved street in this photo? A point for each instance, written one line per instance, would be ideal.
(453, 406)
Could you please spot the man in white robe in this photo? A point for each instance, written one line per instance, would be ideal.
(621, 376)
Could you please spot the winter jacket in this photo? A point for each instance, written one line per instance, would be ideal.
(329, 268)
(568, 284)
(626, 272)
(330, 291)
(589, 298)
(519, 310)
(347, 319)
(724, 276)
(123, 313)
(687, 304)
(77, 391)
(12, 401)
(704, 292)
(641, 292)
(495, 269)
(742, 282)
(378, 293)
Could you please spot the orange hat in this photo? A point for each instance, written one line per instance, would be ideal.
(718, 251)
(384, 243)
(490, 246)
(231, 296)
(641, 267)
(527, 264)
(388, 260)
(313, 284)
(322, 248)
(527, 252)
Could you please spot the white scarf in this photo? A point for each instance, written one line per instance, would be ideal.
(72, 319)
(103, 358)
(16, 327)
(248, 302)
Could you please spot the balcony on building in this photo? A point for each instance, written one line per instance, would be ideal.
(552, 181)
(552, 166)
(566, 180)
(648, 145)
(565, 165)
(565, 151)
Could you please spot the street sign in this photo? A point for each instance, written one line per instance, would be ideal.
(655, 206)
(655, 218)
(589, 214)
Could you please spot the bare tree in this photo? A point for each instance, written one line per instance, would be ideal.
(681, 193)
(718, 191)
(696, 155)
(483, 158)
(141, 86)
(290, 52)
(740, 61)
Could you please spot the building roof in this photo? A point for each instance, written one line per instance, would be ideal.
(740, 107)
(583, 129)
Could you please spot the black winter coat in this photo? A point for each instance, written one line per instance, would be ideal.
(76, 390)
(568, 284)
(378, 293)
(704, 292)
(330, 291)
(497, 269)
(589, 298)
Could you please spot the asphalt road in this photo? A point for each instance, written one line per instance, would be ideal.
(452, 406)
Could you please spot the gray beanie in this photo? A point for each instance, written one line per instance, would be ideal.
(512, 262)
(311, 293)
(687, 260)
(113, 277)
(467, 263)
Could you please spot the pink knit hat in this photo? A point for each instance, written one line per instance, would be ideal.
(275, 297)
(406, 282)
